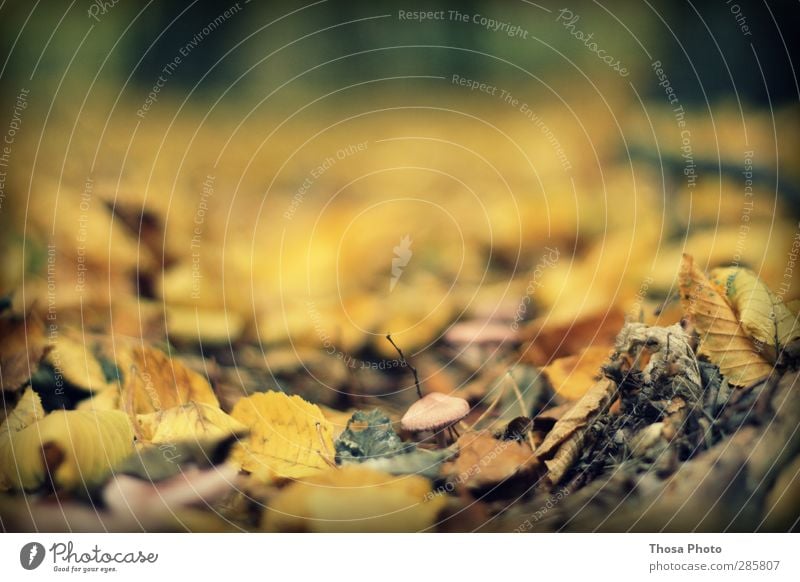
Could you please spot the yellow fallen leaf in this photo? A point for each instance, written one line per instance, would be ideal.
(154, 382)
(764, 317)
(354, 499)
(722, 338)
(289, 437)
(572, 376)
(192, 421)
(73, 359)
(106, 399)
(205, 326)
(27, 411)
(72, 446)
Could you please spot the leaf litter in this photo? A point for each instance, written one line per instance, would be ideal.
(623, 413)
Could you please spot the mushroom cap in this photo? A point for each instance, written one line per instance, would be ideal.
(434, 411)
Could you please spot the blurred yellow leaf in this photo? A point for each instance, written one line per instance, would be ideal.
(414, 314)
(722, 339)
(73, 359)
(154, 382)
(73, 447)
(106, 399)
(27, 411)
(205, 326)
(192, 421)
(354, 499)
(289, 437)
(571, 377)
(764, 317)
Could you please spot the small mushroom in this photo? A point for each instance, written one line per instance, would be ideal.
(435, 412)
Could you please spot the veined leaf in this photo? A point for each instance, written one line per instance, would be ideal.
(722, 338)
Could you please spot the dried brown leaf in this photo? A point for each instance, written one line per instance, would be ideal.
(484, 460)
(154, 382)
(722, 338)
(597, 398)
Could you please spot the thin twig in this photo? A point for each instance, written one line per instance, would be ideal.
(405, 362)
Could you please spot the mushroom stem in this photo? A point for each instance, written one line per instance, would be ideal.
(441, 439)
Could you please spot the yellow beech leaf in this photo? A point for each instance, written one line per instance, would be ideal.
(764, 317)
(289, 437)
(722, 338)
(193, 421)
(354, 499)
(154, 382)
(72, 446)
(27, 411)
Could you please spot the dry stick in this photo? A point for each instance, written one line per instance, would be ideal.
(405, 362)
